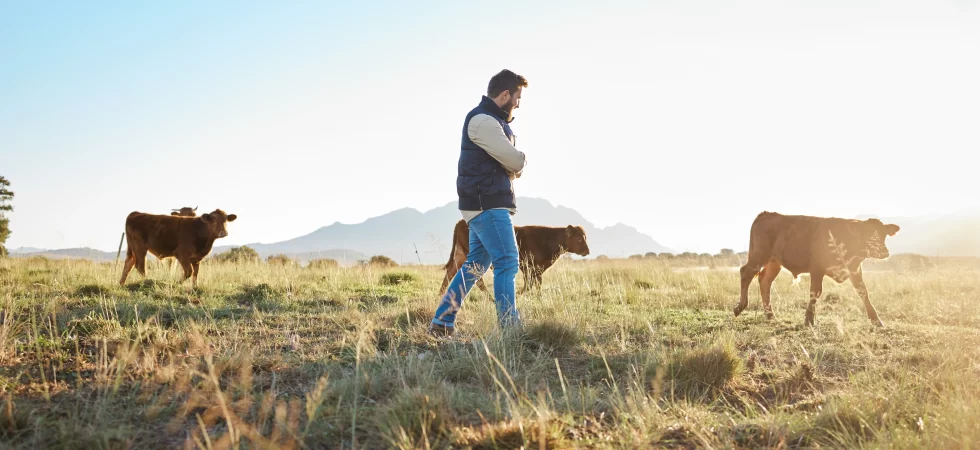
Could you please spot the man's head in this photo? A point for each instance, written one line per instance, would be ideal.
(505, 90)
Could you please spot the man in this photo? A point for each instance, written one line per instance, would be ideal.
(488, 165)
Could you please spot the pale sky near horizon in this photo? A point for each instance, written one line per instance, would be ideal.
(683, 119)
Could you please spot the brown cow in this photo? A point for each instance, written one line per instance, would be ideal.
(538, 248)
(184, 212)
(820, 246)
(189, 239)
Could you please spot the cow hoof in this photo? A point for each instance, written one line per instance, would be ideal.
(738, 310)
(770, 316)
(879, 324)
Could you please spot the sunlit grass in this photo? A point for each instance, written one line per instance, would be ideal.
(614, 354)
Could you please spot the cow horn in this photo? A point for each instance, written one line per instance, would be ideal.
(195, 208)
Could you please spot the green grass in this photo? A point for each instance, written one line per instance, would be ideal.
(614, 354)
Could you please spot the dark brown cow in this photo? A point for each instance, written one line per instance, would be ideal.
(820, 246)
(184, 212)
(189, 239)
(538, 248)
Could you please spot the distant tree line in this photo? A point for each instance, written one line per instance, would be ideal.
(725, 257)
(6, 197)
(248, 255)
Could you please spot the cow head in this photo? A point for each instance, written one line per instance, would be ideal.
(184, 212)
(575, 241)
(873, 232)
(217, 222)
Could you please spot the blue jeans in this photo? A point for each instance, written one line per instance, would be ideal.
(492, 240)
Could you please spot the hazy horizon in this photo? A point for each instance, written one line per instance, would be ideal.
(682, 121)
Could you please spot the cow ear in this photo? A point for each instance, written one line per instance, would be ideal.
(569, 230)
(173, 214)
(206, 217)
(232, 217)
(891, 229)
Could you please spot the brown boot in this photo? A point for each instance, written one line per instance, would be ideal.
(441, 330)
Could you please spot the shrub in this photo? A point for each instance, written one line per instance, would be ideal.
(381, 261)
(281, 260)
(238, 255)
(323, 264)
(397, 277)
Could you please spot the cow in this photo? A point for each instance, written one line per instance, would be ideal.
(820, 246)
(184, 212)
(189, 239)
(539, 247)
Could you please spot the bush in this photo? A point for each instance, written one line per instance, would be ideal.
(381, 261)
(237, 255)
(323, 264)
(397, 277)
(281, 260)
(705, 370)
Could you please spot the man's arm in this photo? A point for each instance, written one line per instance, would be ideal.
(486, 132)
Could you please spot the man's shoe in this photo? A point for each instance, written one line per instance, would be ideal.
(438, 330)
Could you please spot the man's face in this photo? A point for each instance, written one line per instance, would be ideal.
(511, 101)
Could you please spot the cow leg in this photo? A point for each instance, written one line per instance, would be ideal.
(748, 271)
(857, 280)
(450, 273)
(140, 255)
(816, 288)
(127, 266)
(532, 279)
(458, 258)
(196, 267)
(188, 269)
(768, 275)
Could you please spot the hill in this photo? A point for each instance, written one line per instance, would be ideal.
(400, 233)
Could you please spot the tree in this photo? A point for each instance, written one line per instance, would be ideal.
(381, 261)
(281, 260)
(323, 264)
(237, 255)
(6, 197)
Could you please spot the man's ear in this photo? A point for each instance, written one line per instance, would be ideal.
(232, 217)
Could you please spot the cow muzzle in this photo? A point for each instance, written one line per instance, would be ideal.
(223, 234)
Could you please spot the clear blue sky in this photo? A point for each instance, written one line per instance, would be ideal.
(684, 119)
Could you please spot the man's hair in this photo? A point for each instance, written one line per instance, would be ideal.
(505, 80)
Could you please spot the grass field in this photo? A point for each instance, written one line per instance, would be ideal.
(614, 354)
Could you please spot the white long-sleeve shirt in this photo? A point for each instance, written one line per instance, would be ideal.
(485, 131)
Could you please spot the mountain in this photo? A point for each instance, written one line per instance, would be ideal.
(24, 250)
(66, 253)
(399, 233)
(955, 234)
